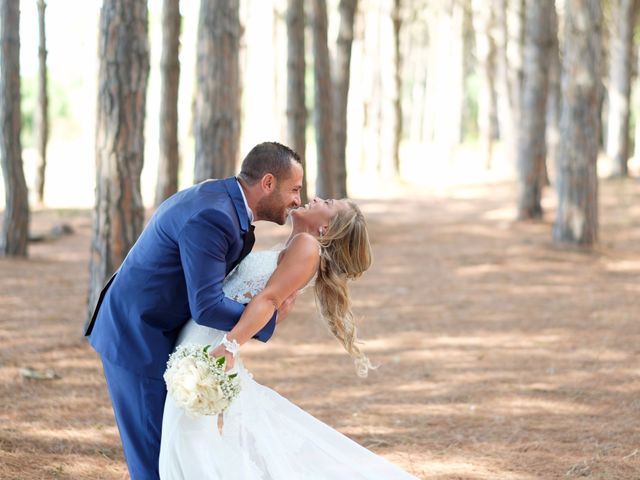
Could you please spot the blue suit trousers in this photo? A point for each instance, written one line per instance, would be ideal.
(138, 405)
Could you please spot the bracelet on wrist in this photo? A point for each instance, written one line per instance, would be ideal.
(230, 346)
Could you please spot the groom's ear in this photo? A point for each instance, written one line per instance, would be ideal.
(268, 183)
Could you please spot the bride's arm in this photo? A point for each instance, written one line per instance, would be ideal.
(297, 266)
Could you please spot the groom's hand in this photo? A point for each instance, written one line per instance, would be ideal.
(286, 307)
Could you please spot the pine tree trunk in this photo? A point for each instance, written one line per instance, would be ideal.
(122, 83)
(484, 20)
(417, 47)
(515, 49)
(370, 146)
(396, 18)
(531, 136)
(41, 115)
(342, 75)
(445, 86)
(620, 57)
(554, 99)
(217, 110)
(169, 161)
(296, 108)
(326, 185)
(469, 119)
(577, 216)
(15, 228)
(510, 28)
(636, 138)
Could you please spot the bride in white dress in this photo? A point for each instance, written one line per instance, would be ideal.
(264, 436)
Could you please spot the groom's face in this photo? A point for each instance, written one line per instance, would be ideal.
(284, 196)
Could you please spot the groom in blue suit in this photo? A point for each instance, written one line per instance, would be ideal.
(175, 272)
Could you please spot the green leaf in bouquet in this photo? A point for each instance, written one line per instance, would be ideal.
(233, 375)
(221, 360)
(206, 348)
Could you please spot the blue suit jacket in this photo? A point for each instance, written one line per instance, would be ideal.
(174, 272)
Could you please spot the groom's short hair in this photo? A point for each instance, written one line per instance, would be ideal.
(267, 157)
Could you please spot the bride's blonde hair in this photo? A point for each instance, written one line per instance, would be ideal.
(345, 255)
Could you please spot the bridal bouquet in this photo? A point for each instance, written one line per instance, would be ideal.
(199, 383)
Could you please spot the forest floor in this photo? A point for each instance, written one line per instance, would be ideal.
(501, 356)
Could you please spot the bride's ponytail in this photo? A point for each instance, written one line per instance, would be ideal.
(345, 255)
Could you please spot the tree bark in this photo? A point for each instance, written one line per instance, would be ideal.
(531, 136)
(169, 161)
(15, 228)
(515, 49)
(484, 23)
(577, 215)
(122, 83)
(217, 109)
(326, 185)
(554, 99)
(342, 76)
(620, 57)
(396, 18)
(636, 142)
(416, 46)
(296, 108)
(41, 116)
(510, 28)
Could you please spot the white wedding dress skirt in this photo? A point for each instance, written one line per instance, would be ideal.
(264, 436)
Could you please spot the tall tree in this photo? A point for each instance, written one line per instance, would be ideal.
(416, 41)
(217, 105)
(531, 135)
(326, 185)
(484, 23)
(167, 183)
(515, 17)
(396, 19)
(296, 108)
(620, 67)
(636, 142)
(577, 215)
(445, 82)
(510, 43)
(554, 98)
(15, 228)
(41, 117)
(342, 74)
(122, 84)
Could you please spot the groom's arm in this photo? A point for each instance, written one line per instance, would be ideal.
(204, 242)
(298, 265)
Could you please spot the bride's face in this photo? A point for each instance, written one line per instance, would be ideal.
(318, 213)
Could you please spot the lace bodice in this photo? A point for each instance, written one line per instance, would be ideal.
(242, 284)
(251, 275)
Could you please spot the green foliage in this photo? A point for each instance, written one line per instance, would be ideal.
(470, 131)
(59, 106)
(28, 94)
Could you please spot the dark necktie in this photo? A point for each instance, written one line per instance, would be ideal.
(249, 240)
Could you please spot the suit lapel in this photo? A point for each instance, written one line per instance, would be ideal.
(233, 189)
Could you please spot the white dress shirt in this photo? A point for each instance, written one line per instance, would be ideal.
(249, 212)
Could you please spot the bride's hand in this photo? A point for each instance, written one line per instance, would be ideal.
(221, 351)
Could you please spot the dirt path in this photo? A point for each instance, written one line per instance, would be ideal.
(501, 356)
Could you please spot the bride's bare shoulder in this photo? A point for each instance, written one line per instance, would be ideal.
(302, 246)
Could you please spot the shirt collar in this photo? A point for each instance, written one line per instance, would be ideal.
(249, 211)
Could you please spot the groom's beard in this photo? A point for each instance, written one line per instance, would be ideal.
(272, 208)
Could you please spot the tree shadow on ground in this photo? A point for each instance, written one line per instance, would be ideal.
(501, 355)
